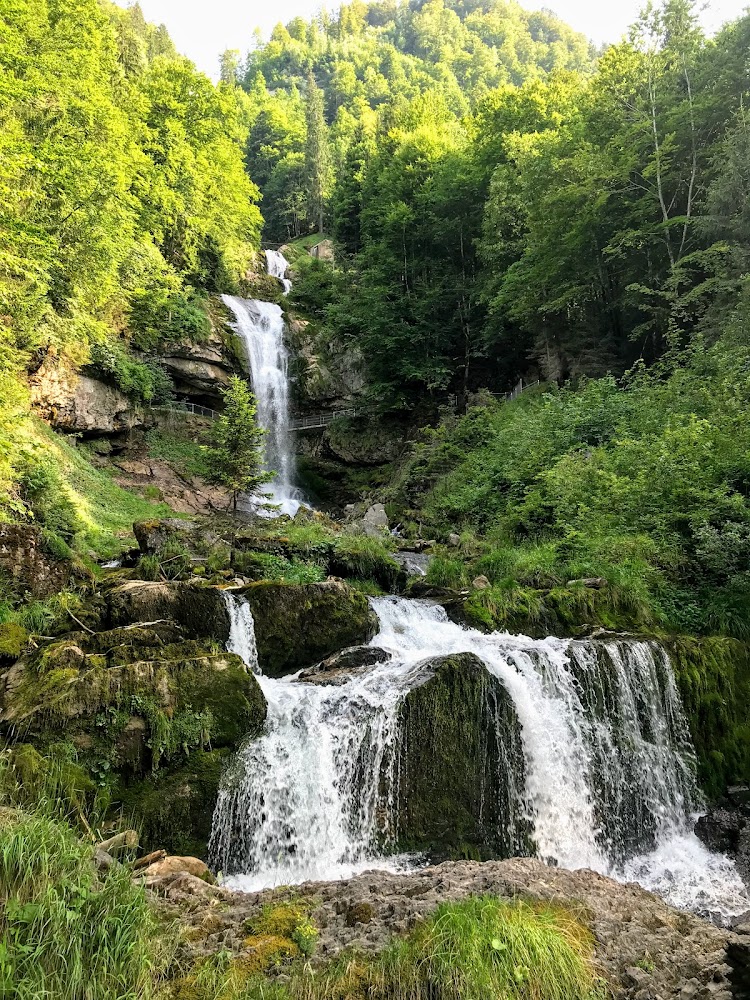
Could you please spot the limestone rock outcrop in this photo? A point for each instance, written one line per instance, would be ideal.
(77, 403)
(644, 948)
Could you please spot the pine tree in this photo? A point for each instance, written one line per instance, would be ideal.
(316, 152)
(235, 459)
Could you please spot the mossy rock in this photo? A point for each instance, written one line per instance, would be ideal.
(173, 808)
(298, 625)
(13, 639)
(263, 287)
(461, 763)
(713, 675)
(71, 697)
(200, 610)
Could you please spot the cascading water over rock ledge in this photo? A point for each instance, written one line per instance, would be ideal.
(607, 780)
(277, 266)
(260, 326)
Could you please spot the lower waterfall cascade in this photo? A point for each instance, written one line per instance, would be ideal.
(608, 779)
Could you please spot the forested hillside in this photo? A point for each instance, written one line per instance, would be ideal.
(550, 219)
(123, 203)
(532, 219)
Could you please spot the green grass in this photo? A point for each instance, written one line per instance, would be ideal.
(478, 949)
(179, 449)
(99, 514)
(305, 242)
(65, 931)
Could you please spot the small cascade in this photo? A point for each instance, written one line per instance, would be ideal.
(260, 326)
(277, 266)
(242, 631)
(607, 780)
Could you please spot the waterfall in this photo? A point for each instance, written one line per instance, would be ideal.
(277, 266)
(260, 326)
(608, 775)
(242, 631)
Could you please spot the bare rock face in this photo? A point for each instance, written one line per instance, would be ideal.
(175, 865)
(195, 376)
(23, 559)
(78, 403)
(644, 948)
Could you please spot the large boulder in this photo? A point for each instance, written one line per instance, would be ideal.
(297, 625)
(152, 716)
(153, 535)
(200, 610)
(148, 698)
(461, 764)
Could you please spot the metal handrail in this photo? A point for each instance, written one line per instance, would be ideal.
(295, 424)
(196, 408)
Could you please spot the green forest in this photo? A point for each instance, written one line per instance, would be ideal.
(506, 204)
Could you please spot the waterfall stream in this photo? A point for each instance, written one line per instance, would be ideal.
(608, 780)
(260, 326)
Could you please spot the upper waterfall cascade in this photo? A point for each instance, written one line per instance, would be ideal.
(608, 779)
(277, 266)
(260, 326)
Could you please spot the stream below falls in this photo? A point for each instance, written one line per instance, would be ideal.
(606, 780)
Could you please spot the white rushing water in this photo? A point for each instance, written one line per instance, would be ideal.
(608, 775)
(277, 266)
(260, 326)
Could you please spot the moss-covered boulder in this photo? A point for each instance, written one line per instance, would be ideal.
(298, 625)
(173, 807)
(713, 675)
(148, 715)
(461, 763)
(200, 610)
(154, 534)
(134, 692)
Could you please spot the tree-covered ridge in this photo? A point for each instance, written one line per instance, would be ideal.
(123, 194)
(385, 55)
(568, 225)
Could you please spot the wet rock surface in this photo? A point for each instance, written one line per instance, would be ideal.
(298, 625)
(461, 762)
(645, 949)
(337, 669)
(726, 829)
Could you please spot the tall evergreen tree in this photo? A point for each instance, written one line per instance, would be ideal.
(316, 152)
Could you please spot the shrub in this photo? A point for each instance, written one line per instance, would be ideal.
(141, 379)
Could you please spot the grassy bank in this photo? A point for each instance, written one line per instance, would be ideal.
(116, 948)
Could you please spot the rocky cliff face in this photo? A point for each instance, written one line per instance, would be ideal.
(200, 372)
(76, 403)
